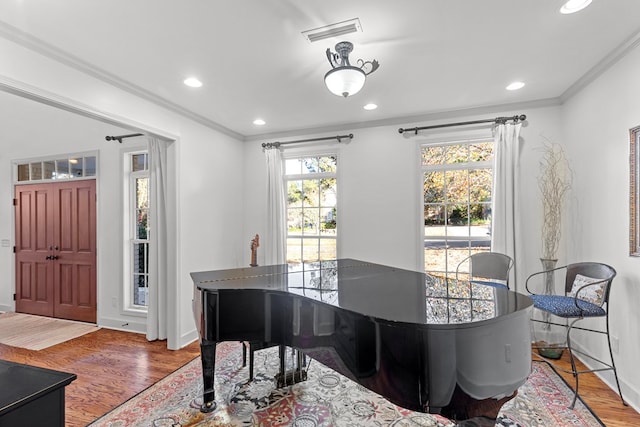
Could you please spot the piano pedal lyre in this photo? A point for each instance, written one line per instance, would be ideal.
(297, 374)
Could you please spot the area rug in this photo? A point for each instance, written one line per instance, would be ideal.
(39, 332)
(325, 399)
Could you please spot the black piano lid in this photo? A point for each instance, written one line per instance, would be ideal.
(383, 292)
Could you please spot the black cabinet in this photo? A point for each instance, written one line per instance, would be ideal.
(32, 396)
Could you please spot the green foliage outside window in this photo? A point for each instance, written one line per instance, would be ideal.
(311, 208)
(460, 196)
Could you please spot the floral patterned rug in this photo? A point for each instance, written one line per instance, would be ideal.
(326, 398)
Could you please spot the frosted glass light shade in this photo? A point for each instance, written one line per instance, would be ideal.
(573, 6)
(345, 81)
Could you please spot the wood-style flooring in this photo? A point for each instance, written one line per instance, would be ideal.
(602, 400)
(113, 366)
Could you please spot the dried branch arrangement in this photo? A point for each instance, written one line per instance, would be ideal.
(554, 181)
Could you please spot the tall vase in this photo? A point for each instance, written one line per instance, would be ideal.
(549, 282)
(549, 338)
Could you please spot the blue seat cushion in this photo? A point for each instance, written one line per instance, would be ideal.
(563, 306)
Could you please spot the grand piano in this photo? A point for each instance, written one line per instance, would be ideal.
(425, 343)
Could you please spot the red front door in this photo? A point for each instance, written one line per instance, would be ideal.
(56, 249)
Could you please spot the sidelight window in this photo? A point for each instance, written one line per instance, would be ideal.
(137, 231)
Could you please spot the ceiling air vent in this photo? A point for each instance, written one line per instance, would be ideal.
(333, 30)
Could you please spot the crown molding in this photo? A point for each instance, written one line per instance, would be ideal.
(603, 65)
(37, 45)
(41, 47)
(403, 120)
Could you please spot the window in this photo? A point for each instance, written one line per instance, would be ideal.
(457, 184)
(137, 231)
(311, 188)
(73, 167)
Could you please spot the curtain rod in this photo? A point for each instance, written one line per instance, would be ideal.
(121, 137)
(300, 141)
(502, 120)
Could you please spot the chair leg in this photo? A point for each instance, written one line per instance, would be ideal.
(613, 364)
(574, 370)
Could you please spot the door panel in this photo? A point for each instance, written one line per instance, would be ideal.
(69, 239)
(85, 226)
(75, 267)
(34, 232)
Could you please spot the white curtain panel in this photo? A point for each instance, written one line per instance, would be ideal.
(505, 184)
(274, 240)
(158, 273)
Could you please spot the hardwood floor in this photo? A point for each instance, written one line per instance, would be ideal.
(603, 401)
(113, 366)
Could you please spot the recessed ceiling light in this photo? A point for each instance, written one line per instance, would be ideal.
(515, 86)
(370, 107)
(259, 122)
(573, 6)
(193, 82)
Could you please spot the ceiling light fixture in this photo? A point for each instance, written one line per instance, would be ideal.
(515, 86)
(345, 79)
(259, 122)
(370, 106)
(573, 6)
(192, 82)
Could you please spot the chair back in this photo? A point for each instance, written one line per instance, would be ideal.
(593, 270)
(492, 266)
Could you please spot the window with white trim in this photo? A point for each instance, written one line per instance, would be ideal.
(56, 168)
(457, 190)
(311, 187)
(136, 259)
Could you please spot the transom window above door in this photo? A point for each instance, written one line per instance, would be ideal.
(56, 168)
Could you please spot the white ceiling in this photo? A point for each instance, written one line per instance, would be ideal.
(435, 55)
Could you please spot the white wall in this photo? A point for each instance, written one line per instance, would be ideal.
(596, 123)
(33, 130)
(208, 176)
(220, 185)
(379, 189)
(378, 211)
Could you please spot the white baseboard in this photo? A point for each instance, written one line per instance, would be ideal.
(141, 328)
(119, 325)
(188, 338)
(630, 394)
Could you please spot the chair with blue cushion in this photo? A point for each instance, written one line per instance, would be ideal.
(586, 295)
(487, 268)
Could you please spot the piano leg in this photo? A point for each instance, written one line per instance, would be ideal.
(208, 358)
(471, 412)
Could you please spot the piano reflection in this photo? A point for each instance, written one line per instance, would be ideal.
(425, 343)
